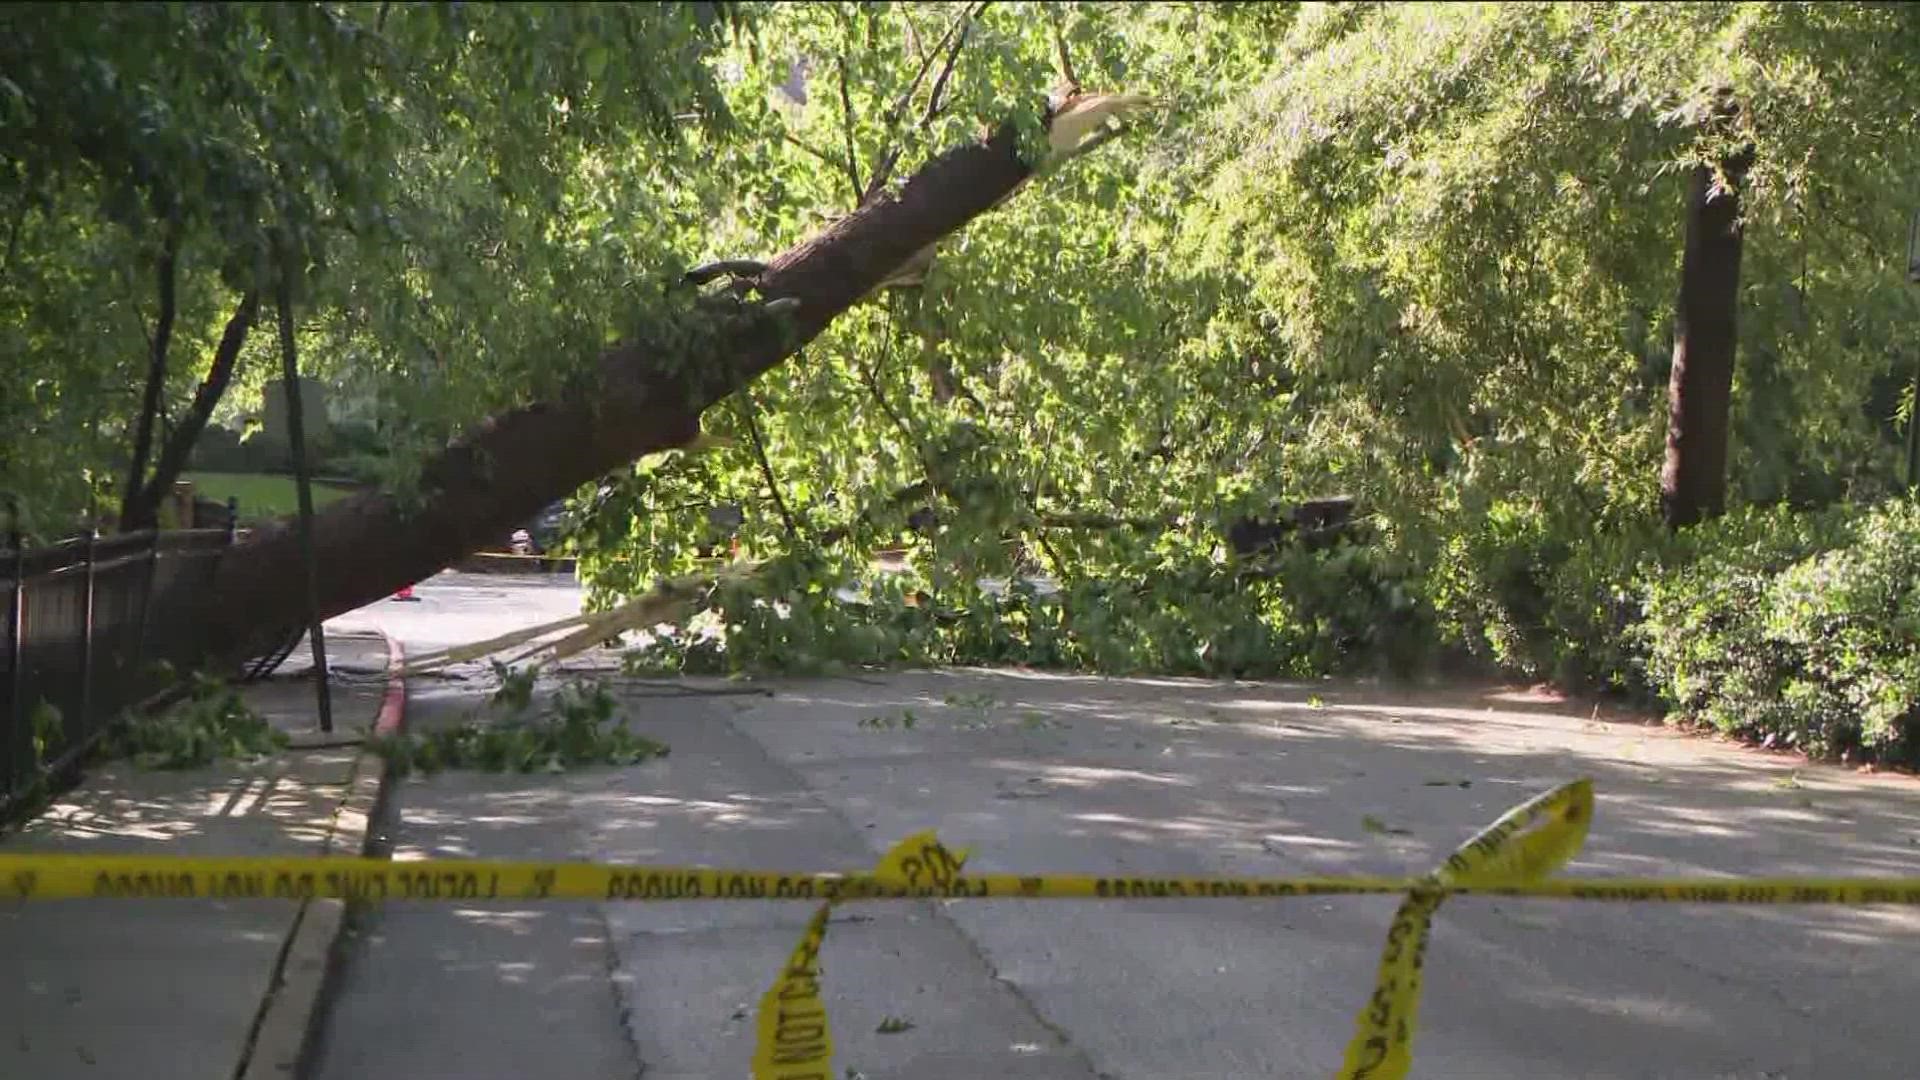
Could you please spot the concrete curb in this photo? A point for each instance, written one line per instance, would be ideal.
(283, 1030)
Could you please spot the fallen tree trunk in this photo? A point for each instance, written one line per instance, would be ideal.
(644, 398)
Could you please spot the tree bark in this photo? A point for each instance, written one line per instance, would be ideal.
(642, 399)
(167, 269)
(142, 505)
(1693, 480)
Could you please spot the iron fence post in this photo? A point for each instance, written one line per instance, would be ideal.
(146, 603)
(1913, 414)
(303, 487)
(16, 627)
(1913, 432)
(84, 722)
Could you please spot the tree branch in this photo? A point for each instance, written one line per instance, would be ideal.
(913, 37)
(1102, 522)
(1065, 63)
(953, 59)
(643, 396)
(825, 158)
(167, 275)
(947, 381)
(13, 237)
(747, 411)
(1060, 569)
(140, 511)
(912, 493)
(871, 377)
(736, 268)
(883, 169)
(846, 127)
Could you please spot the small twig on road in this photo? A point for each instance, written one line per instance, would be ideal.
(697, 691)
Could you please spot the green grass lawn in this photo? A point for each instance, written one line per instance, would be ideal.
(263, 496)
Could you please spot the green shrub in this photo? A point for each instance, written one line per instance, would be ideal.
(1488, 585)
(1543, 594)
(1594, 600)
(1352, 606)
(1800, 630)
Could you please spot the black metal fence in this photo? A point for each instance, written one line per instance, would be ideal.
(85, 627)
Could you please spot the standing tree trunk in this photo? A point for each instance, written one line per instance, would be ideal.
(141, 509)
(1693, 481)
(641, 399)
(167, 268)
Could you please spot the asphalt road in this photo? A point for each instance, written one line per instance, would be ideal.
(1045, 774)
(453, 608)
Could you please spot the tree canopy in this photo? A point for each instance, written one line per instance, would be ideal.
(425, 174)
(1424, 256)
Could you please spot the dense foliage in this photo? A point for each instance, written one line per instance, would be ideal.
(1422, 255)
(462, 197)
(579, 724)
(1801, 631)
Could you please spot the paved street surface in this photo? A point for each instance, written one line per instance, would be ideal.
(164, 988)
(454, 609)
(1044, 774)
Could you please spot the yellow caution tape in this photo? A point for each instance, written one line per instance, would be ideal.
(1512, 857)
(1526, 844)
(794, 1040)
(70, 877)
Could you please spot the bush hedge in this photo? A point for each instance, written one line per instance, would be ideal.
(1797, 629)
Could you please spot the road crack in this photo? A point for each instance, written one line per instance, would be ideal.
(936, 910)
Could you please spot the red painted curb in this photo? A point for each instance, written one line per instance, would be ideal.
(393, 707)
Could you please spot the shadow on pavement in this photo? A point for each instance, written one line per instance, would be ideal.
(1040, 774)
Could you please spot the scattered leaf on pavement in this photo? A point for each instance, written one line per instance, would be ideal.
(1375, 825)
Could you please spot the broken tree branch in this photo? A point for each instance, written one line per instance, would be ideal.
(643, 396)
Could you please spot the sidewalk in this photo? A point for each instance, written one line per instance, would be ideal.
(161, 988)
